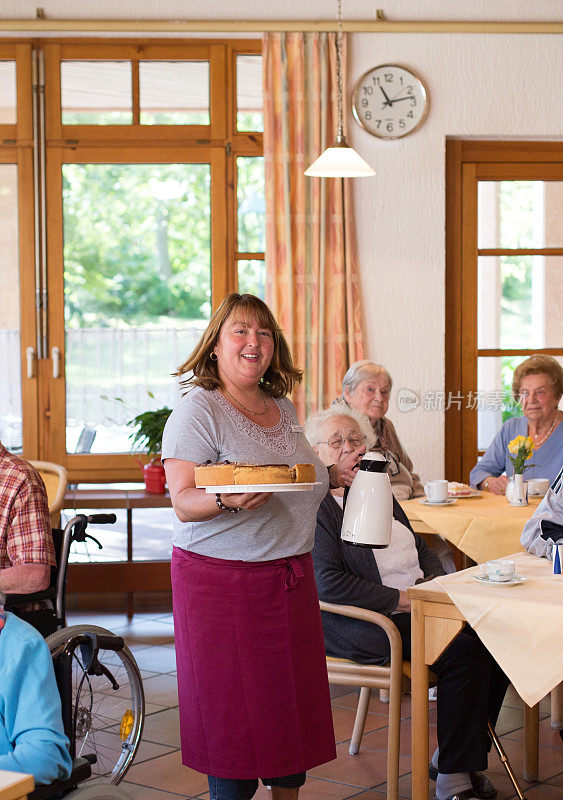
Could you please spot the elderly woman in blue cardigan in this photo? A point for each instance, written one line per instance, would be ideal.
(32, 738)
(537, 385)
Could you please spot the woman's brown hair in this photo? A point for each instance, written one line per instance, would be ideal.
(539, 364)
(281, 375)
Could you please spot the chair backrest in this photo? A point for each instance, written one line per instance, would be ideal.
(55, 478)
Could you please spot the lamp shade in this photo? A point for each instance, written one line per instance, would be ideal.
(339, 161)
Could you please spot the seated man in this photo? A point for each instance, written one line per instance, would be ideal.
(545, 526)
(26, 544)
(471, 686)
(32, 737)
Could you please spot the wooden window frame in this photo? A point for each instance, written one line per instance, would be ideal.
(467, 162)
(218, 143)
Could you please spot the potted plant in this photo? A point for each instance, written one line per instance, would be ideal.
(147, 437)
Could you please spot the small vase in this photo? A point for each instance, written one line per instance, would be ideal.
(517, 490)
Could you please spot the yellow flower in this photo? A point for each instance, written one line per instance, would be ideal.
(521, 441)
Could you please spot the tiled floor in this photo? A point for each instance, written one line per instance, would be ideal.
(158, 774)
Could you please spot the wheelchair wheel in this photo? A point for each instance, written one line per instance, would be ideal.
(107, 722)
(98, 792)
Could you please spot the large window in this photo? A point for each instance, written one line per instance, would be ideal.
(150, 206)
(504, 282)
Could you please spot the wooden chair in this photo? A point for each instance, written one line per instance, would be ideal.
(395, 677)
(371, 676)
(55, 479)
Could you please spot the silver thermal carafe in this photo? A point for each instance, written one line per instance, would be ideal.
(368, 505)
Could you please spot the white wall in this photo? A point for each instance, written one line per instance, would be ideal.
(499, 86)
(490, 86)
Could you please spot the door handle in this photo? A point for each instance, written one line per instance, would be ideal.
(56, 358)
(30, 361)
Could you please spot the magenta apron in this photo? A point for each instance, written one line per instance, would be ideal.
(252, 682)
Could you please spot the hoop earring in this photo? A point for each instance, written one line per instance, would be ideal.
(213, 356)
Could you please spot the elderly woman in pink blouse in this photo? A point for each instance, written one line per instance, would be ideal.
(367, 387)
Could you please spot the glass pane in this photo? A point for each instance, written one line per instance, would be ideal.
(252, 278)
(151, 532)
(96, 93)
(520, 301)
(174, 92)
(250, 116)
(7, 92)
(251, 204)
(10, 370)
(520, 214)
(137, 271)
(493, 398)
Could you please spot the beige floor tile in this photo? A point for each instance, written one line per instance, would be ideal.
(350, 700)
(149, 632)
(157, 659)
(343, 720)
(556, 780)
(548, 736)
(149, 750)
(543, 792)
(162, 690)
(378, 739)
(551, 759)
(163, 728)
(366, 769)
(137, 792)
(168, 774)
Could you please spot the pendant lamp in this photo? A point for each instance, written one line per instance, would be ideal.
(339, 160)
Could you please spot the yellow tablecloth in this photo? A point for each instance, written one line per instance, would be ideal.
(481, 527)
(521, 626)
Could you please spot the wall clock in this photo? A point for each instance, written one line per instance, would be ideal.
(390, 101)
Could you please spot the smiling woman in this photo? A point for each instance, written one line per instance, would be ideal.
(242, 576)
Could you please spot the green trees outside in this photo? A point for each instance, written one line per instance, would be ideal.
(137, 243)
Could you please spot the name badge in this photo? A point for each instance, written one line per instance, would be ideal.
(298, 429)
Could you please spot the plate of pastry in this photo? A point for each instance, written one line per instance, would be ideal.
(237, 478)
(462, 490)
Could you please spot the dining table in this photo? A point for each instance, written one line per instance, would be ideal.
(521, 625)
(482, 527)
(15, 785)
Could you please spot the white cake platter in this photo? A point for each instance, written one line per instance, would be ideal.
(240, 488)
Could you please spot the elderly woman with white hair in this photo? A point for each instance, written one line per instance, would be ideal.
(366, 387)
(471, 686)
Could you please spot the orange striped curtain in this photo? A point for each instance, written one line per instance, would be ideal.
(312, 276)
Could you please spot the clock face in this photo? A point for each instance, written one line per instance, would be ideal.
(390, 101)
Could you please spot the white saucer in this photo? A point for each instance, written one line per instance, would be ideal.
(515, 581)
(260, 487)
(449, 502)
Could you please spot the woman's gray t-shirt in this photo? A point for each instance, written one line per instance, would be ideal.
(205, 427)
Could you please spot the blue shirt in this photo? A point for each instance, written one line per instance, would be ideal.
(32, 738)
(546, 460)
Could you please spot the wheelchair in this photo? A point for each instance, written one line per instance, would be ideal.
(102, 697)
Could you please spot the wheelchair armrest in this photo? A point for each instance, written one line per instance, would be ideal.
(33, 597)
(81, 771)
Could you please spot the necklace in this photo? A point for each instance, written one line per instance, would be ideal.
(547, 435)
(250, 411)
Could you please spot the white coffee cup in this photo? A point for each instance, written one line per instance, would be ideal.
(436, 491)
(537, 487)
(499, 569)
